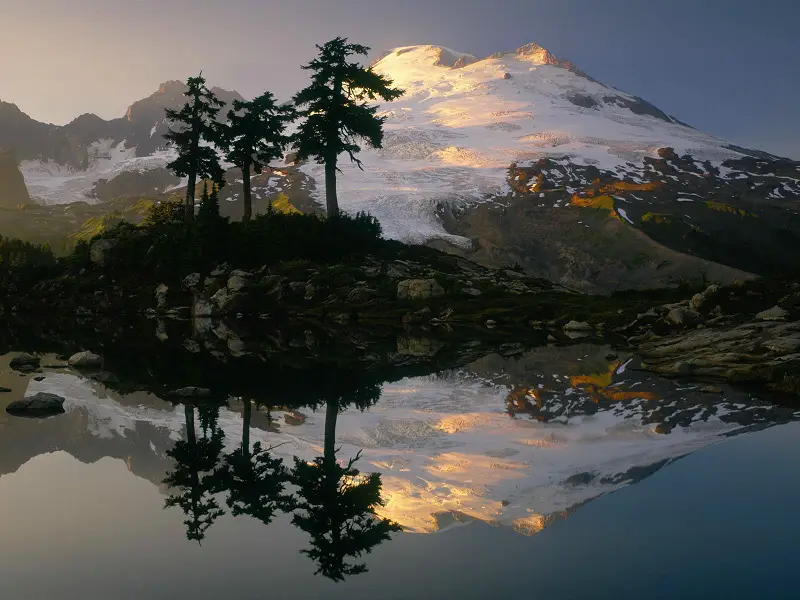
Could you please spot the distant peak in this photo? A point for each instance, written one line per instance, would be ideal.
(171, 85)
(540, 55)
(436, 56)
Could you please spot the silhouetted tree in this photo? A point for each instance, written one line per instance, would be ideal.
(195, 475)
(194, 124)
(254, 136)
(336, 504)
(338, 112)
(255, 480)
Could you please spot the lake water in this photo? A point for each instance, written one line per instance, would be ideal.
(558, 471)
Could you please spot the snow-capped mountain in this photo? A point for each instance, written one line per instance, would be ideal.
(491, 158)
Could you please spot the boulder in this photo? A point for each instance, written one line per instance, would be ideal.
(682, 316)
(237, 283)
(161, 296)
(361, 295)
(578, 326)
(38, 406)
(191, 281)
(98, 252)
(85, 360)
(470, 291)
(25, 363)
(776, 313)
(700, 300)
(190, 392)
(419, 289)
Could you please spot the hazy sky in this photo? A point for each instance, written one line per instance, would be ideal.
(728, 67)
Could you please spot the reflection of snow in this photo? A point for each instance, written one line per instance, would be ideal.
(446, 445)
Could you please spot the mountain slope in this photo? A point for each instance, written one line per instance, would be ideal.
(506, 160)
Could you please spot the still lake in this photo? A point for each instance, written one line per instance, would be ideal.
(556, 472)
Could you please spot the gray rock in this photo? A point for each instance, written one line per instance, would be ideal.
(220, 270)
(419, 289)
(191, 392)
(470, 291)
(25, 363)
(490, 323)
(221, 299)
(241, 273)
(776, 313)
(361, 294)
(682, 316)
(85, 360)
(39, 406)
(514, 274)
(578, 326)
(699, 300)
(98, 253)
(237, 283)
(161, 296)
(298, 287)
(191, 281)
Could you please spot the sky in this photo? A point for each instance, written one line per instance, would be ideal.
(728, 67)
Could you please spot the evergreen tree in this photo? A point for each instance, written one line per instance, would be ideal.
(254, 136)
(194, 124)
(336, 504)
(338, 111)
(256, 481)
(195, 477)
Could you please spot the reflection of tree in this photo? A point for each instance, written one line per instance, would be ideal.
(336, 504)
(195, 477)
(255, 480)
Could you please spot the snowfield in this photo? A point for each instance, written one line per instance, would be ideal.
(51, 183)
(453, 135)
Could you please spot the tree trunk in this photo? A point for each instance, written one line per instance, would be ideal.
(246, 428)
(189, 204)
(331, 414)
(188, 412)
(190, 188)
(331, 201)
(246, 194)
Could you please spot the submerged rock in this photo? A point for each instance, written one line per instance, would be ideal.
(38, 406)
(25, 363)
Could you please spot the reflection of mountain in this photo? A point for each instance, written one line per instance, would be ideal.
(512, 442)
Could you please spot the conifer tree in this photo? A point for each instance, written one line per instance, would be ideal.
(338, 110)
(254, 136)
(190, 126)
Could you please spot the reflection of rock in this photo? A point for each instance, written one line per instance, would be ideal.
(191, 392)
(24, 363)
(37, 406)
(418, 346)
(419, 289)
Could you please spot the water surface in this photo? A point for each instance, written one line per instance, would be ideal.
(549, 471)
